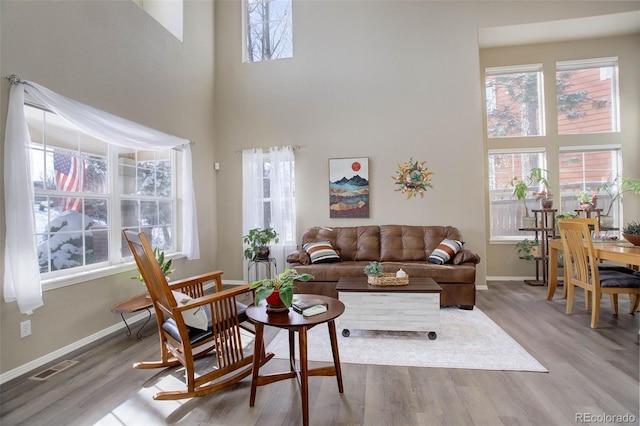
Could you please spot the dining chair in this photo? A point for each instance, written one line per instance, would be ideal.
(582, 271)
(192, 324)
(594, 225)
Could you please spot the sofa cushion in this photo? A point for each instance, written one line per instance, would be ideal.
(321, 252)
(299, 256)
(466, 256)
(352, 243)
(445, 251)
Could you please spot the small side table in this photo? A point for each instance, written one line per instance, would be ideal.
(295, 323)
(131, 305)
(269, 264)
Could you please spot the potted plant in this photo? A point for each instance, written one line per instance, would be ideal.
(546, 199)
(615, 189)
(565, 215)
(278, 291)
(631, 233)
(587, 201)
(257, 239)
(528, 249)
(520, 187)
(165, 265)
(373, 269)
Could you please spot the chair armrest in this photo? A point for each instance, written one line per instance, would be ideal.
(214, 297)
(198, 280)
(466, 256)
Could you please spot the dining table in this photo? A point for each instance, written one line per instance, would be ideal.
(618, 251)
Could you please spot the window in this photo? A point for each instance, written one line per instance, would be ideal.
(505, 210)
(587, 169)
(267, 30)
(514, 101)
(587, 96)
(268, 196)
(86, 191)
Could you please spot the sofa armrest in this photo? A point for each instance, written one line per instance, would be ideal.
(299, 256)
(466, 256)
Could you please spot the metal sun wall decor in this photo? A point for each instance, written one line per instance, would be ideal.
(413, 178)
(348, 187)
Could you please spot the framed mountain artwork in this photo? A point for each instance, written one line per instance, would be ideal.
(348, 187)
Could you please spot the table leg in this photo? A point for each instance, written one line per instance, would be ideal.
(336, 356)
(292, 350)
(304, 375)
(128, 332)
(553, 272)
(257, 355)
(139, 332)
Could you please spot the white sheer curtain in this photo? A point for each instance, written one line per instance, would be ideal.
(280, 172)
(283, 209)
(22, 277)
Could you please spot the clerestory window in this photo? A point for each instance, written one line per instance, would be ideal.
(267, 30)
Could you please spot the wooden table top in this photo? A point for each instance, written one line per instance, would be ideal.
(292, 319)
(360, 284)
(616, 251)
(133, 304)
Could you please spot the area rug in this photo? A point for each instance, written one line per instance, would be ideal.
(467, 339)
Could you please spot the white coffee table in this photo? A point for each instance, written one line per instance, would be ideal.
(411, 307)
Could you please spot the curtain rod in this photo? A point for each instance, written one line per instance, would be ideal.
(239, 151)
(14, 79)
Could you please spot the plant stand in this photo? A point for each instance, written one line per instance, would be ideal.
(596, 213)
(544, 230)
(270, 266)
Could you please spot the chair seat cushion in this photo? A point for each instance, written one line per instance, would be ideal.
(615, 279)
(196, 335)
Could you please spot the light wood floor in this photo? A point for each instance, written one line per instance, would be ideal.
(590, 371)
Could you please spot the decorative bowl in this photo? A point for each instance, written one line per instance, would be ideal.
(632, 238)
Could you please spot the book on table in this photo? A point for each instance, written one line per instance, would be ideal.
(300, 305)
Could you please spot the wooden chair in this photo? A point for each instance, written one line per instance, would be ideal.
(182, 344)
(594, 225)
(582, 271)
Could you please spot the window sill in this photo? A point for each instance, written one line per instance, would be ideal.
(505, 240)
(83, 276)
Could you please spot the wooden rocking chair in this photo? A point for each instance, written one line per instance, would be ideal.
(191, 324)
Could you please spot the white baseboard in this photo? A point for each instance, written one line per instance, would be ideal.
(510, 278)
(39, 362)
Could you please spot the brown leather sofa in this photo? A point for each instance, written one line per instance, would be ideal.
(395, 246)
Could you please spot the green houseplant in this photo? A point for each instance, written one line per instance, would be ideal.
(258, 240)
(631, 233)
(521, 187)
(587, 201)
(617, 187)
(282, 285)
(528, 249)
(165, 264)
(373, 269)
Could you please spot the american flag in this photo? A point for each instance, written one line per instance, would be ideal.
(70, 176)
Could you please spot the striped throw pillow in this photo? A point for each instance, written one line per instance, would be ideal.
(321, 252)
(445, 251)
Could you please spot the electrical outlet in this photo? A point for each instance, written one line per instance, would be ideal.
(25, 329)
